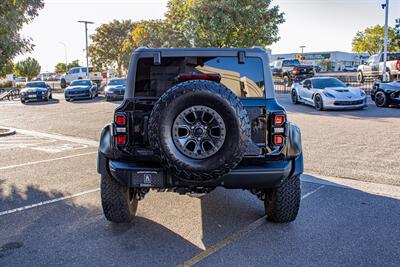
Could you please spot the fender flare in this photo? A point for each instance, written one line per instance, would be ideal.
(293, 145)
(105, 150)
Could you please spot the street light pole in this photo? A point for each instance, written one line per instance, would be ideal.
(385, 41)
(302, 49)
(87, 52)
(66, 57)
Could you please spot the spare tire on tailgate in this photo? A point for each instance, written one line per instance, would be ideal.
(199, 130)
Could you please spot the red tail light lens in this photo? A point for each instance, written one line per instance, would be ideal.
(120, 119)
(278, 139)
(279, 120)
(120, 139)
(398, 65)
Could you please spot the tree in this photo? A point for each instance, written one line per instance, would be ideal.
(371, 40)
(29, 68)
(150, 33)
(107, 48)
(73, 64)
(60, 68)
(7, 68)
(13, 15)
(224, 23)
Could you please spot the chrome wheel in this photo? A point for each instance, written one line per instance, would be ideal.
(198, 132)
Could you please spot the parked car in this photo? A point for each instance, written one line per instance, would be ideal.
(115, 89)
(36, 91)
(80, 73)
(386, 94)
(325, 93)
(21, 80)
(81, 89)
(196, 119)
(349, 69)
(373, 69)
(291, 70)
(317, 68)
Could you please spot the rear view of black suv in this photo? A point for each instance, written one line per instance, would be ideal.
(196, 119)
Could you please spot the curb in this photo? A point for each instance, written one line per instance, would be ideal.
(9, 131)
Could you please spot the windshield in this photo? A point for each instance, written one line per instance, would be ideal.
(117, 82)
(290, 63)
(326, 83)
(393, 56)
(80, 82)
(36, 84)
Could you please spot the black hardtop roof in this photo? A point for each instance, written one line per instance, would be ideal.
(200, 49)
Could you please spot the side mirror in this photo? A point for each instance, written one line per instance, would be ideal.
(347, 84)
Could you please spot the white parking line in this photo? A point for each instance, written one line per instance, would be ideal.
(2, 213)
(45, 160)
(59, 137)
(244, 231)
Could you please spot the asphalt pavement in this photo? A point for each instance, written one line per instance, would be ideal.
(50, 211)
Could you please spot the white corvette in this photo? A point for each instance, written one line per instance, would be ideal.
(328, 93)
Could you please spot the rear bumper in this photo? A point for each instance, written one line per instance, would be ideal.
(268, 175)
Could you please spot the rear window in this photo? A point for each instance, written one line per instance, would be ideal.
(245, 80)
(291, 63)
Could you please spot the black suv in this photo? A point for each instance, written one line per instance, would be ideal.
(196, 119)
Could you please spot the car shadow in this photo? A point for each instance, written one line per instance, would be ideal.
(75, 233)
(336, 226)
(371, 111)
(42, 103)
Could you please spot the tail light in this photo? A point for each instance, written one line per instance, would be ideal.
(121, 123)
(278, 129)
(279, 139)
(296, 70)
(398, 65)
(120, 139)
(279, 120)
(120, 119)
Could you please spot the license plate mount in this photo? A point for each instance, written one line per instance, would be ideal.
(148, 178)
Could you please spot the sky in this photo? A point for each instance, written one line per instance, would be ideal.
(320, 25)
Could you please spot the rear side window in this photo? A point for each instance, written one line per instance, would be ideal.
(245, 80)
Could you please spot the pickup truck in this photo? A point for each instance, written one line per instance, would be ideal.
(291, 70)
(80, 73)
(373, 68)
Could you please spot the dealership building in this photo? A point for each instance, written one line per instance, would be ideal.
(331, 60)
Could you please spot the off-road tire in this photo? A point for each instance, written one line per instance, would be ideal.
(282, 203)
(118, 204)
(215, 96)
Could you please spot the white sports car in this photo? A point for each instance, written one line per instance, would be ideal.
(328, 93)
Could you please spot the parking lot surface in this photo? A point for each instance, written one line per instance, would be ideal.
(50, 211)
